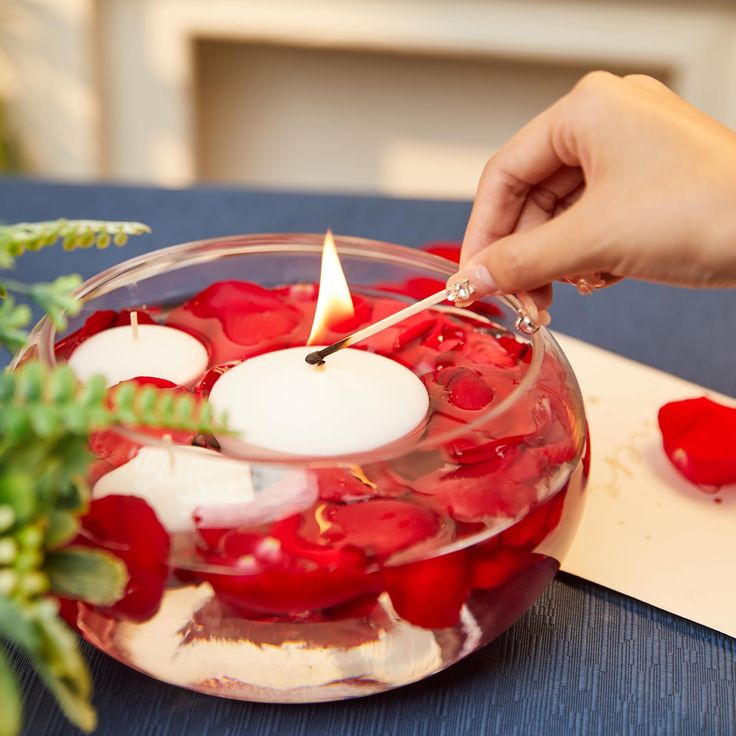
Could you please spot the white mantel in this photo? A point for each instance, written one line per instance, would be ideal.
(108, 85)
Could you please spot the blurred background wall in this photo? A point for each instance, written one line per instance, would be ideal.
(402, 97)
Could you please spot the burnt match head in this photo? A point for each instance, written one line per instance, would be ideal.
(318, 356)
(314, 358)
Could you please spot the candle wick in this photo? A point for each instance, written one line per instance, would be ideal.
(168, 439)
(134, 324)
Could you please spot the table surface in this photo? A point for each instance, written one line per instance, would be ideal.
(583, 660)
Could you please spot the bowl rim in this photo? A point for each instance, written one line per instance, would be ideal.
(183, 255)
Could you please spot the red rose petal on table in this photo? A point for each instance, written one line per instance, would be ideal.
(249, 314)
(430, 593)
(381, 527)
(127, 527)
(699, 437)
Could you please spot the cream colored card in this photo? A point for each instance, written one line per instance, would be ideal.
(646, 531)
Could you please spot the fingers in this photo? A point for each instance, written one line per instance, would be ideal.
(542, 297)
(545, 199)
(525, 261)
(527, 159)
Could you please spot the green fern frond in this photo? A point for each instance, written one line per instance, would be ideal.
(46, 417)
(21, 237)
(56, 298)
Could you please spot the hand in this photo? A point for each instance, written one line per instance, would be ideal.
(620, 178)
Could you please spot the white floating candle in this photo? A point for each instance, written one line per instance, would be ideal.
(357, 401)
(122, 353)
(176, 482)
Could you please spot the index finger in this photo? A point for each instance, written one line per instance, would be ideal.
(529, 157)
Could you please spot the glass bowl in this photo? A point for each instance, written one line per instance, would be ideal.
(270, 577)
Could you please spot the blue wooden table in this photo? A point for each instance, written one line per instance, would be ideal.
(583, 661)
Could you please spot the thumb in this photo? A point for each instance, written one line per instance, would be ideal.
(562, 247)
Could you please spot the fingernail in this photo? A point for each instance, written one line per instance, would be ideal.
(471, 283)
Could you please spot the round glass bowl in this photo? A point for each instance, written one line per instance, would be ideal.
(278, 578)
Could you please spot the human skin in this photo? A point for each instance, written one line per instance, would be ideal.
(619, 178)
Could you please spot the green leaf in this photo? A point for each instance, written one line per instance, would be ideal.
(57, 299)
(87, 574)
(14, 424)
(17, 492)
(13, 319)
(17, 238)
(44, 420)
(63, 669)
(10, 708)
(62, 384)
(16, 625)
(29, 382)
(62, 528)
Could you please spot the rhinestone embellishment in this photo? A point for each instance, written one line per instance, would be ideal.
(461, 291)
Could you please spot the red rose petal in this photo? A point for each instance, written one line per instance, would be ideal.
(248, 313)
(340, 484)
(466, 389)
(412, 329)
(285, 574)
(501, 487)
(496, 566)
(521, 351)
(699, 437)
(417, 288)
(430, 593)
(98, 321)
(445, 335)
(529, 531)
(127, 527)
(205, 384)
(485, 349)
(363, 311)
(381, 527)
(468, 450)
(448, 250)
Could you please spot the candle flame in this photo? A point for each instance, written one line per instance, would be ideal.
(334, 302)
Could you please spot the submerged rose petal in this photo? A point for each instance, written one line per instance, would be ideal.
(699, 437)
(284, 574)
(127, 527)
(381, 527)
(466, 389)
(430, 593)
(493, 566)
